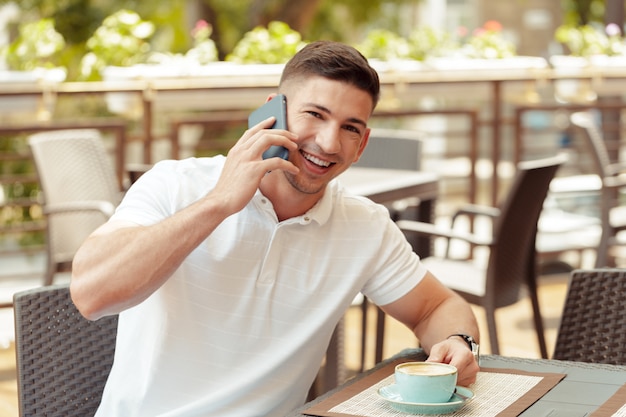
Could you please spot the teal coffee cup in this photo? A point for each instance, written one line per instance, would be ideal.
(425, 382)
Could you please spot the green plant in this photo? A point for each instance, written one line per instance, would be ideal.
(588, 40)
(427, 41)
(38, 45)
(384, 45)
(204, 50)
(123, 39)
(488, 42)
(422, 42)
(272, 45)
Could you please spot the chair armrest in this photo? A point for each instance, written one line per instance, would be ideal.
(432, 230)
(475, 210)
(616, 181)
(105, 207)
(616, 168)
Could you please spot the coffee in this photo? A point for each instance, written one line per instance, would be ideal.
(426, 369)
(425, 382)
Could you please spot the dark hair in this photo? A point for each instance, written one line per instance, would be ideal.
(335, 61)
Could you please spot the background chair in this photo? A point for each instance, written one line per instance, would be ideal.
(586, 213)
(593, 324)
(612, 178)
(392, 149)
(511, 262)
(63, 359)
(79, 187)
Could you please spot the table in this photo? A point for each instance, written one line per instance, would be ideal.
(585, 388)
(389, 185)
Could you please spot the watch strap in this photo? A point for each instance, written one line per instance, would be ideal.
(467, 338)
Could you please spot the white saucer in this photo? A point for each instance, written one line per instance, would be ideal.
(391, 395)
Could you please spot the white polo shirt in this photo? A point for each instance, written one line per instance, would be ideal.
(241, 328)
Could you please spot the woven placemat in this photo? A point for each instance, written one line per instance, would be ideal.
(614, 406)
(498, 392)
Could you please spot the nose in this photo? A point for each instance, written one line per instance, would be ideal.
(328, 139)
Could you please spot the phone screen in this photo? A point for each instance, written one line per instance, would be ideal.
(276, 107)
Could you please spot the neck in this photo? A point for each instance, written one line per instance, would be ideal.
(287, 201)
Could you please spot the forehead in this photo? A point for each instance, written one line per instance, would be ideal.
(331, 94)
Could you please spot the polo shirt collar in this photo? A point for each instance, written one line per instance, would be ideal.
(320, 212)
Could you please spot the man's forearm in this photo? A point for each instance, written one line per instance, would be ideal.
(453, 316)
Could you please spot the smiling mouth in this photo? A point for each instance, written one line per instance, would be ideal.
(317, 161)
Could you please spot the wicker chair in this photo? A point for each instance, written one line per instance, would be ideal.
(511, 265)
(612, 213)
(593, 325)
(63, 359)
(80, 190)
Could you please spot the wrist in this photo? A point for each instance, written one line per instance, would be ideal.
(471, 343)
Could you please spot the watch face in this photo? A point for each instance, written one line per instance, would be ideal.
(476, 352)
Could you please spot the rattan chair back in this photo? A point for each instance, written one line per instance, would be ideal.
(593, 324)
(63, 359)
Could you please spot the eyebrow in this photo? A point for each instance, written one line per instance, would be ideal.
(327, 110)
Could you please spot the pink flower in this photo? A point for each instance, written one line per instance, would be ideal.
(492, 26)
(612, 29)
(200, 28)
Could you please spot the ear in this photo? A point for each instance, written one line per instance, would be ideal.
(362, 145)
(271, 96)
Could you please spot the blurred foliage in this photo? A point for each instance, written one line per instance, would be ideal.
(204, 49)
(424, 41)
(272, 45)
(427, 41)
(314, 19)
(38, 45)
(591, 39)
(123, 39)
(10, 214)
(582, 12)
(487, 42)
(584, 31)
(77, 20)
(385, 45)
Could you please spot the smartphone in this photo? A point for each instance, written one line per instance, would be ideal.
(276, 107)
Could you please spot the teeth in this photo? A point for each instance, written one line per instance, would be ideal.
(317, 161)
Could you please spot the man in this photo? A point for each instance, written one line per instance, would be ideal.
(230, 273)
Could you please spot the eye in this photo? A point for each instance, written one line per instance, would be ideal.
(314, 114)
(352, 129)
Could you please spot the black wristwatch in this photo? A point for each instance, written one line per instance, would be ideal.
(471, 343)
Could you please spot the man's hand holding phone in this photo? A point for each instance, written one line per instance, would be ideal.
(244, 169)
(276, 107)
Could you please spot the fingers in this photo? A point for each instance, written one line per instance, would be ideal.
(459, 356)
(259, 138)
